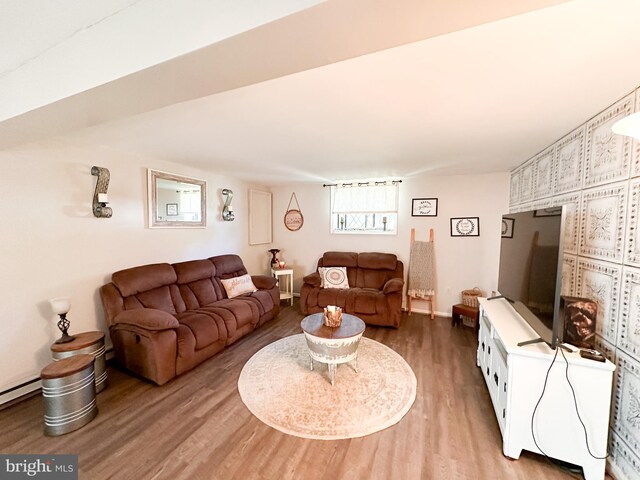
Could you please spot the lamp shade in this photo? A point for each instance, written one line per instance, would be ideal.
(629, 126)
(60, 305)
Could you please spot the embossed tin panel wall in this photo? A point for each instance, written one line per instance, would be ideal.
(600, 282)
(629, 329)
(602, 222)
(607, 155)
(626, 412)
(597, 175)
(632, 254)
(526, 182)
(569, 263)
(543, 174)
(572, 222)
(569, 160)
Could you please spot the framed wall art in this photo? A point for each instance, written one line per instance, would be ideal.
(465, 227)
(507, 227)
(424, 207)
(172, 209)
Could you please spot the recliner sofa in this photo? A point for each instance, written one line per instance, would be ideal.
(375, 288)
(166, 319)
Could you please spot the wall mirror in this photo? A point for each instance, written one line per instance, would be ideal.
(176, 201)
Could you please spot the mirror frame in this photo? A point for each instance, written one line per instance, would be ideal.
(153, 222)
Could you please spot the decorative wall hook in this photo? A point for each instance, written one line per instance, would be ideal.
(227, 209)
(100, 199)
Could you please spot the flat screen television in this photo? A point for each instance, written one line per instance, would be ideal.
(530, 274)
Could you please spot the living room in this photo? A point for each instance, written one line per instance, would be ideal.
(255, 130)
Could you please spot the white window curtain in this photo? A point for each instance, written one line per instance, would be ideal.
(365, 198)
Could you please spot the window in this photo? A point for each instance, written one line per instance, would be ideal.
(365, 207)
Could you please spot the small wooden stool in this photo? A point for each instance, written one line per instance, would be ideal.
(465, 310)
(69, 393)
(87, 342)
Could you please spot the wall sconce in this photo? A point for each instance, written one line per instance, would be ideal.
(628, 126)
(61, 307)
(227, 209)
(100, 199)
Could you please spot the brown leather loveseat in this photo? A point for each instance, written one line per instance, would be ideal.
(166, 319)
(375, 287)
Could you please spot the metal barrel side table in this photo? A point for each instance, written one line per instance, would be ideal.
(69, 393)
(87, 342)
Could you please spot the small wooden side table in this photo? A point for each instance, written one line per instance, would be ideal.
(467, 311)
(286, 286)
(85, 343)
(69, 393)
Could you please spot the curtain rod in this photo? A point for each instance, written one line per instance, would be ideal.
(359, 184)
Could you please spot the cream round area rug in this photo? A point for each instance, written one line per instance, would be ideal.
(278, 387)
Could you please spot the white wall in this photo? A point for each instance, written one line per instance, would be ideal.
(460, 262)
(52, 245)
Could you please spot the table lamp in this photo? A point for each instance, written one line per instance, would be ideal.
(61, 307)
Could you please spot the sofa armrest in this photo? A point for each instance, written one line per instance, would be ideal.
(263, 282)
(313, 279)
(393, 285)
(147, 318)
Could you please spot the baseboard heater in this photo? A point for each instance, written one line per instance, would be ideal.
(27, 389)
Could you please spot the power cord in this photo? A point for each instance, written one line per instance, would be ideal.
(575, 403)
(546, 379)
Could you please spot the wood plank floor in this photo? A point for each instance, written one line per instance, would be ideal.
(196, 426)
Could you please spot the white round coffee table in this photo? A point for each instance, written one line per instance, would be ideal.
(333, 345)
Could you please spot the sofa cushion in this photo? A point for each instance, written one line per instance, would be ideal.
(148, 318)
(159, 298)
(237, 286)
(377, 261)
(141, 279)
(204, 327)
(369, 278)
(340, 259)
(333, 277)
(333, 296)
(193, 270)
(228, 265)
(365, 300)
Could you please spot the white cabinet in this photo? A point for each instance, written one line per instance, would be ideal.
(515, 377)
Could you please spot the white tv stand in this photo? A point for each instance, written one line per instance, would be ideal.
(515, 378)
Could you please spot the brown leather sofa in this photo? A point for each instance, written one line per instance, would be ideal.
(375, 287)
(166, 319)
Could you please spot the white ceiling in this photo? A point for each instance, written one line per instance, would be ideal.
(480, 99)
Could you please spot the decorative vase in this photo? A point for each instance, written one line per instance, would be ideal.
(332, 316)
(274, 260)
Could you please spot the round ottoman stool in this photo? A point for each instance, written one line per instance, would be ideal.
(69, 393)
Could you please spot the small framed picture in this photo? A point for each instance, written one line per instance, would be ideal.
(548, 212)
(172, 209)
(507, 227)
(465, 227)
(424, 207)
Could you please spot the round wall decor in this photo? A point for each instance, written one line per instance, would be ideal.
(293, 219)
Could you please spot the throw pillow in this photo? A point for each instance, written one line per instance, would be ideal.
(237, 286)
(334, 277)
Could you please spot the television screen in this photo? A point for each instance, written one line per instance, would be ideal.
(530, 274)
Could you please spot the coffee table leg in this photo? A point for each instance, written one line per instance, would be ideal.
(355, 363)
(311, 363)
(332, 372)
